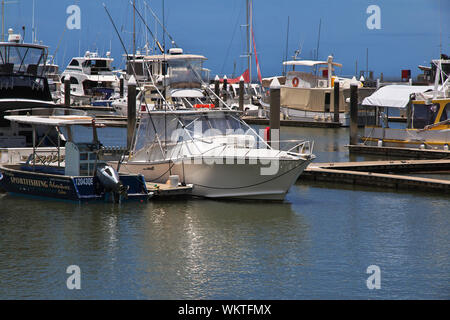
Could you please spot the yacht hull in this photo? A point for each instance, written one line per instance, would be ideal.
(213, 178)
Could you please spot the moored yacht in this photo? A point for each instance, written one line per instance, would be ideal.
(91, 78)
(217, 152)
(427, 110)
(23, 85)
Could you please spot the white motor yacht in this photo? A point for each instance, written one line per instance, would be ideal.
(217, 152)
(91, 78)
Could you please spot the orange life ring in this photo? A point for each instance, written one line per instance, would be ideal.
(295, 82)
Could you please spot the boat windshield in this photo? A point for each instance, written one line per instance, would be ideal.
(185, 71)
(108, 136)
(424, 115)
(98, 66)
(21, 59)
(164, 131)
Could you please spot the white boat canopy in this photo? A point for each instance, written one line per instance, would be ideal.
(52, 120)
(309, 63)
(186, 93)
(394, 96)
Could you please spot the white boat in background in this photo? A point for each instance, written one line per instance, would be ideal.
(91, 78)
(427, 110)
(51, 72)
(309, 97)
(179, 75)
(217, 152)
(230, 93)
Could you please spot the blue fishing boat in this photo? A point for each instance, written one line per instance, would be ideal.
(80, 174)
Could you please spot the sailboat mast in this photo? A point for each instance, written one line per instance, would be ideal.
(250, 23)
(287, 47)
(318, 43)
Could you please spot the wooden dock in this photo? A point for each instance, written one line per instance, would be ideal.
(162, 190)
(368, 174)
(293, 123)
(411, 153)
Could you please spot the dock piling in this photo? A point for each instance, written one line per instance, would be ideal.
(225, 87)
(216, 91)
(131, 108)
(121, 86)
(241, 94)
(336, 101)
(353, 114)
(327, 102)
(275, 101)
(67, 91)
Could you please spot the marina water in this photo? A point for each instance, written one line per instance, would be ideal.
(317, 244)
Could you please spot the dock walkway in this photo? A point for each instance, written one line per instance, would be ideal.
(369, 173)
(411, 153)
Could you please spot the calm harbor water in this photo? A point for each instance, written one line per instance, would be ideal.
(317, 244)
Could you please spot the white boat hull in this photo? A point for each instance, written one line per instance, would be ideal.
(221, 180)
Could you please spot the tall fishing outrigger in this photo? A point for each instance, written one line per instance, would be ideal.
(82, 174)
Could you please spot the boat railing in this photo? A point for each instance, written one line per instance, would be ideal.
(46, 158)
(300, 146)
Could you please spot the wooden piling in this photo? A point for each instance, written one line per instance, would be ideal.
(336, 101)
(327, 102)
(67, 91)
(353, 114)
(121, 86)
(216, 91)
(241, 94)
(225, 86)
(275, 100)
(131, 108)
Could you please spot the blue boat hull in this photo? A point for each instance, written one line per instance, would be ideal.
(15, 180)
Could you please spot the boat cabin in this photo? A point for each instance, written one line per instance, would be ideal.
(81, 174)
(22, 82)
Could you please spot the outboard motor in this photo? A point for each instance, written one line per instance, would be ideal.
(109, 178)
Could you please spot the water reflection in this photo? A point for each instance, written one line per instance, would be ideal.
(206, 249)
(317, 244)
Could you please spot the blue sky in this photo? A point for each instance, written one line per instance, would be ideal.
(409, 35)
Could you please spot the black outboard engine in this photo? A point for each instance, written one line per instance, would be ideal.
(109, 179)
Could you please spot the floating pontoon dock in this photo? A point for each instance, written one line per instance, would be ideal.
(165, 190)
(412, 153)
(369, 173)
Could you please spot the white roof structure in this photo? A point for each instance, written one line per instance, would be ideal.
(52, 121)
(186, 93)
(394, 96)
(309, 63)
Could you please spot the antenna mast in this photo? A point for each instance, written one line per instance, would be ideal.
(287, 46)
